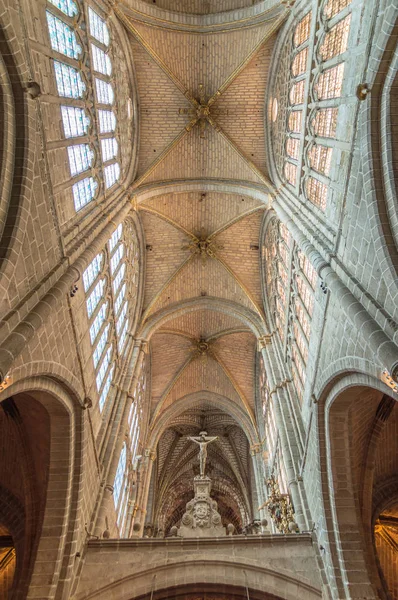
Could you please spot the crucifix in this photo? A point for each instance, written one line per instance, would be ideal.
(202, 440)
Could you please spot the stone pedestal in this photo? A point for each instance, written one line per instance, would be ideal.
(201, 518)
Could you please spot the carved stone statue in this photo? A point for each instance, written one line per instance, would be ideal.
(201, 518)
(202, 442)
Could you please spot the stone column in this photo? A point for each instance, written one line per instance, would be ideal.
(119, 426)
(141, 506)
(286, 430)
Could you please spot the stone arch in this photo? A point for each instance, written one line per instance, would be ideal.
(280, 583)
(376, 145)
(245, 15)
(152, 190)
(185, 403)
(17, 114)
(252, 320)
(344, 473)
(52, 547)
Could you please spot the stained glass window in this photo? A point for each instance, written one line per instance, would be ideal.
(119, 478)
(111, 174)
(100, 346)
(294, 122)
(92, 272)
(325, 122)
(103, 368)
(296, 95)
(291, 173)
(84, 191)
(69, 81)
(302, 31)
(320, 158)
(121, 318)
(106, 388)
(333, 7)
(118, 278)
(109, 148)
(95, 297)
(299, 64)
(98, 28)
(75, 121)
(98, 321)
(293, 147)
(117, 257)
(107, 121)
(123, 336)
(62, 37)
(115, 237)
(119, 299)
(336, 40)
(317, 192)
(308, 269)
(104, 90)
(101, 61)
(306, 294)
(68, 7)
(330, 83)
(80, 158)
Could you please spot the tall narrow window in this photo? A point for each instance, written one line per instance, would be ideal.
(299, 64)
(294, 122)
(75, 121)
(320, 158)
(83, 192)
(98, 28)
(111, 174)
(335, 41)
(330, 83)
(302, 31)
(293, 147)
(291, 173)
(325, 122)
(120, 476)
(101, 60)
(333, 7)
(63, 38)
(69, 81)
(68, 7)
(107, 121)
(109, 149)
(316, 192)
(80, 158)
(296, 95)
(104, 90)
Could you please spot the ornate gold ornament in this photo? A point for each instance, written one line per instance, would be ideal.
(280, 508)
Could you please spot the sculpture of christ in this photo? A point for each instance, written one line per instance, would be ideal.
(202, 440)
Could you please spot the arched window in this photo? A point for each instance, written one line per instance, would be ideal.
(66, 35)
(317, 192)
(290, 282)
(299, 64)
(320, 158)
(267, 410)
(335, 41)
(296, 95)
(325, 122)
(330, 83)
(120, 479)
(108, 304)
(333, 7)
(304, 281)
(291, 173)
(302, 31)
(277, 261)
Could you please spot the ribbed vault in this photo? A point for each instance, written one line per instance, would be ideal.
(202, 133)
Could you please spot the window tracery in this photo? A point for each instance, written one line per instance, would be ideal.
(296, 95)
(109, 302)
(68, 36)
(128, 460)
(290, 281)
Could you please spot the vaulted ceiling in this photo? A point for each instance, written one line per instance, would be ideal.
(201, 191)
